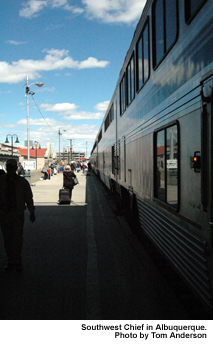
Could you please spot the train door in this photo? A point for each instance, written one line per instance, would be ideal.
(118, 159)
(103, 163)
(207, 165)
(123, 159)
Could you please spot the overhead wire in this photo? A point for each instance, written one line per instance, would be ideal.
(47, 123)
(44, 118)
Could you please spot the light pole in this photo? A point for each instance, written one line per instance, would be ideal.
(16, 141)
(70, 148)
(36, 143)
(27, 95)
(59, 134)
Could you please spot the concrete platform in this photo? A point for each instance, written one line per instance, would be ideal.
(46, 192)
(82, 262)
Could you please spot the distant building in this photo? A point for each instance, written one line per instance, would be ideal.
(43, 156)
(7, 152)
(65, 156)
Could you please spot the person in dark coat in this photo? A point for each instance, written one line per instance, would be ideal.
(15, 195)
(68, 176)
(21, 170)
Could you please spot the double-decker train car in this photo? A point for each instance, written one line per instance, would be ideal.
(155, 144)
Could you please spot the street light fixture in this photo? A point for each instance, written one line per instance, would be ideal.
(16, 141)
(27, 95)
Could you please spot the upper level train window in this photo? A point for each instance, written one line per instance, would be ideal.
(192, 7)
(130, 73)
(109, 118)
(100, 136)
(142, 57)
(167, 165)
(123, 95)
(165, 28)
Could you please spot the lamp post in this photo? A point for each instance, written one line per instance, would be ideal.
(59, 134)
(27, 95)
(16, 141)
(70, 148)
(36, 143)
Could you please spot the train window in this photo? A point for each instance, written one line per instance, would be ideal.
(100, 136)
(159, 31)
(123, 95)
(131, 80)
(171, 23)
(192, 7)
(167, 165)
(109, 118)
(165, 28)
(142, 57)
(112, 113)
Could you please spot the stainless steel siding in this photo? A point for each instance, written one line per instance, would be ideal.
(185, 252)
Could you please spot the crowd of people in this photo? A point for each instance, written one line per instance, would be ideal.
(53, 169)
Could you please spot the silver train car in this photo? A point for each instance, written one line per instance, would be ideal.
(155, 144)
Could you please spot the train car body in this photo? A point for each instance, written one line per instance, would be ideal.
(155, 142)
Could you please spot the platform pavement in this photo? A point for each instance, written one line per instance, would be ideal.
(81, 261)
(46, 192)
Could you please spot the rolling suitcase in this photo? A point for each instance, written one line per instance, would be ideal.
(64, 196)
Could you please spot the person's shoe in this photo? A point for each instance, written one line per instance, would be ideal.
(9, 267)
(19, 267)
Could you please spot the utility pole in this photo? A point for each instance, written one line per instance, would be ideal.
(70, 149)
(59, 144)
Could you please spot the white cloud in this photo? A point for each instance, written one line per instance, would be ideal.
(61, 108)
(38, 122)
(13, 42)
(92, 62)
(33, 7)
(111, 11)
(108, 11)
(58, 3)
(84, 116)
(40, 130)
(54, 60)
(69, 111)
(102, 106)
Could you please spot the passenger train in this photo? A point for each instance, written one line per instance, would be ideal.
(155, 144)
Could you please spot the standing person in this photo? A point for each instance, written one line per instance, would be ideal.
(49, 173)
(68, 176)
(15, 195)
(52, 169)
(84, 167)
(20, 169)
(44, 171)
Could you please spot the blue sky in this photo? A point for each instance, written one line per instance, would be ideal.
(76, 48)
